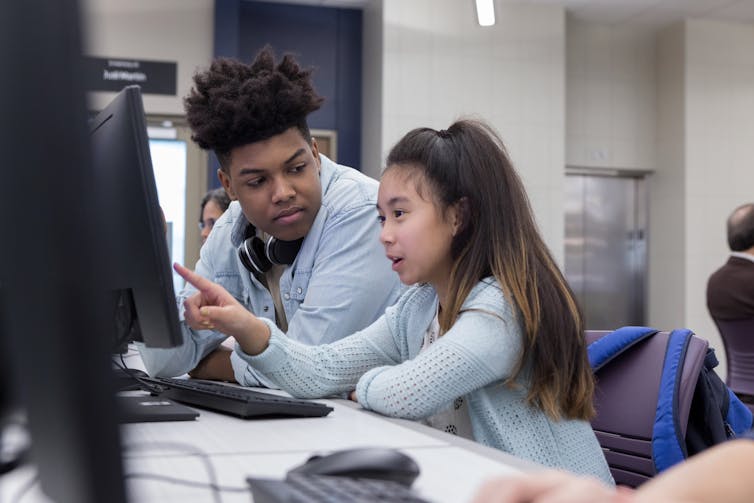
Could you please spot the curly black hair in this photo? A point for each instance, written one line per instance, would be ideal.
(234, 103)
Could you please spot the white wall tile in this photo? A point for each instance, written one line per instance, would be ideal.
(611, 96)
(511, 75)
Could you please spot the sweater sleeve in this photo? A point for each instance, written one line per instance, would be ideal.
(325, 370)
(483, 346)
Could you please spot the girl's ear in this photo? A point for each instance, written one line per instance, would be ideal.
(459, 215)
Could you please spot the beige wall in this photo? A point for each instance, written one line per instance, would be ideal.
(179, 31)
(667, 274)
(371, 92)
(163, 30)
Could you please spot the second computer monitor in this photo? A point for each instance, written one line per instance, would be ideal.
(138, 279)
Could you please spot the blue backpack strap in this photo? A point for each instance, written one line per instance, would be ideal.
(611, 345)
(668, 447)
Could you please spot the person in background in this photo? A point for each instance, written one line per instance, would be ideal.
(213, 205)
(719, 474)
(730, 289)
(297, 245)
(488, 343)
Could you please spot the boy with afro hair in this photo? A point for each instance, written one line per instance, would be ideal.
(300, 242)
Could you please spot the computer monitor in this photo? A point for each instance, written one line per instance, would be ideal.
(52, 317)
(56, 261)
(138, 278)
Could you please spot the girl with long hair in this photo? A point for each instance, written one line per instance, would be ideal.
(487, 342)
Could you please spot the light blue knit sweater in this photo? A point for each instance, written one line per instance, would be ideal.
(384, 364)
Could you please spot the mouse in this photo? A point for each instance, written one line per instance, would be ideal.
(364, 462)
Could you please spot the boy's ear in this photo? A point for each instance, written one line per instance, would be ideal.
(315, 153)
(225, 181)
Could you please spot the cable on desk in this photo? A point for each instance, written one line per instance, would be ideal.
(148, 386)
(190, 483)
(193, 451)
(132, 351)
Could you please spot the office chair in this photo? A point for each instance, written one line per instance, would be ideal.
(738, 340)
(626, 401)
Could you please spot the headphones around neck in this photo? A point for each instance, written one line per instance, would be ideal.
(258, 256)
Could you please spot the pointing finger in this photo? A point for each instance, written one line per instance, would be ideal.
(202, 284)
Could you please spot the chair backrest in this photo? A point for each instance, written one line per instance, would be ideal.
(626, 400)
(738, 339)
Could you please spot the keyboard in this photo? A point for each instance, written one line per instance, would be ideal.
(237, 401)
(308, 488)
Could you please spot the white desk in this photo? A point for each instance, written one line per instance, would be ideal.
(452, 468)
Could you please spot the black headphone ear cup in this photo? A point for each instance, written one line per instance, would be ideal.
(252, 255)
(282, 252)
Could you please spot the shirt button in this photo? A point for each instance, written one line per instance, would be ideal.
(299, 290)
(287, 296)
(266, 308)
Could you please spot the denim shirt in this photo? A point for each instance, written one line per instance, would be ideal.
(340, 282)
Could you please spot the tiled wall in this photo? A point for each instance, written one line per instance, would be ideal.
(719, 149)
(610, 96)
(439, 65)
(681, 104)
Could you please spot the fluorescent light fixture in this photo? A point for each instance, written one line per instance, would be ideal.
(485, 12)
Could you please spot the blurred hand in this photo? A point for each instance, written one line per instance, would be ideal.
(550, 486)
(213, 308)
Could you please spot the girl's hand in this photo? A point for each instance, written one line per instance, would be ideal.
(213, 308)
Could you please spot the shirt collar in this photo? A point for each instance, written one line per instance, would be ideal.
(746, 256)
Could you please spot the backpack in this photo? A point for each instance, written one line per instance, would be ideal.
(715, 413)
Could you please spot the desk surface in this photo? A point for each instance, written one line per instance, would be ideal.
(452, 468)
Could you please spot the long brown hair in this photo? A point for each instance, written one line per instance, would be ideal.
(467, 164)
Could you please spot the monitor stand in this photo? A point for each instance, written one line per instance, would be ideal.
(138, 406)
(149, 409)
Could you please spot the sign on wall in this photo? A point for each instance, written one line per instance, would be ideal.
(112, 74)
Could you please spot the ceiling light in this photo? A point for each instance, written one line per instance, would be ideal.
(485, 12)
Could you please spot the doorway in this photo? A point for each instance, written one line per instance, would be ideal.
(180, 169)
(606, 246)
